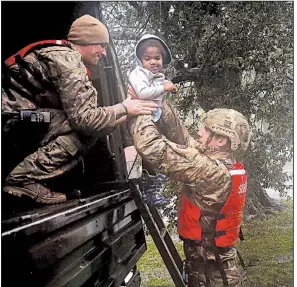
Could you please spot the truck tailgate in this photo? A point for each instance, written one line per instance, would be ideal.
(83, 242)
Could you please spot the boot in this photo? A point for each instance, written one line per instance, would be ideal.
(37, 192)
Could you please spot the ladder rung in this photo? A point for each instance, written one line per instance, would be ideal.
(163, 232)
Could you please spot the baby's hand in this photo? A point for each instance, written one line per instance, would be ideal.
(170, 87)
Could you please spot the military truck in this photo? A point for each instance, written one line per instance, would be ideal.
(96, 237)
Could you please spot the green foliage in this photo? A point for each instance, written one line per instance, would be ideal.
(226, 54)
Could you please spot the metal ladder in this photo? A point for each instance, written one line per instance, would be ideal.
(161, 237)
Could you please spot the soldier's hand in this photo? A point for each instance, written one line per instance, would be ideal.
(139, 107)
(131, 93)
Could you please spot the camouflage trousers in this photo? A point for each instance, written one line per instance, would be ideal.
(195, 269)
(57, 153)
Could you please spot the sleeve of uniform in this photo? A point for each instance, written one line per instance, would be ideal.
(139, 80)
(172, 128)
(79, 97)
(181, 163)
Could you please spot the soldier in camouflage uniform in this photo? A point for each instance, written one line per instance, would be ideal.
(54, 78)
(204, 166)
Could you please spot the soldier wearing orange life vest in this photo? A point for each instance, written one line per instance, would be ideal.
(214, 190)
(51, 76)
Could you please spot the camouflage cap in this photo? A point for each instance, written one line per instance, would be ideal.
(231, 124)
(88, 30)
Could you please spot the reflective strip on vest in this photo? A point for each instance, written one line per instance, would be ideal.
(228, 223)
(237, 172)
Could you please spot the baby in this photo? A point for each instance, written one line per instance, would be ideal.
(148, 82)
(148, 79)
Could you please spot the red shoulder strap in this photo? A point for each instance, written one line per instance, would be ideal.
(88, 71)
(22, 53)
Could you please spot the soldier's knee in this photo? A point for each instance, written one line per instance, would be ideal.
(71, 143)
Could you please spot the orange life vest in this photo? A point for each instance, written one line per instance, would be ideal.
(227, 222)
(26, 50)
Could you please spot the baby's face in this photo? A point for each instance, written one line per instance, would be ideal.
(152, 59)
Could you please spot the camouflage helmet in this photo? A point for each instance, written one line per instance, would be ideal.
(231, 124)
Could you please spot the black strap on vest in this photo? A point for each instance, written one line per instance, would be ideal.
(241, 235)
(238, 253)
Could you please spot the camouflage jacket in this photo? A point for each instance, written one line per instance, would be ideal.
(55, 78)
(206, 179)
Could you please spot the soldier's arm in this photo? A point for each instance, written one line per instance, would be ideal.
(172, 127)
(79, 99)
(181, 163)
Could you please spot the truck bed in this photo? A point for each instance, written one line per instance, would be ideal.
(93, 241)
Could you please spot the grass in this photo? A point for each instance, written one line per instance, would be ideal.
(267, 251)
